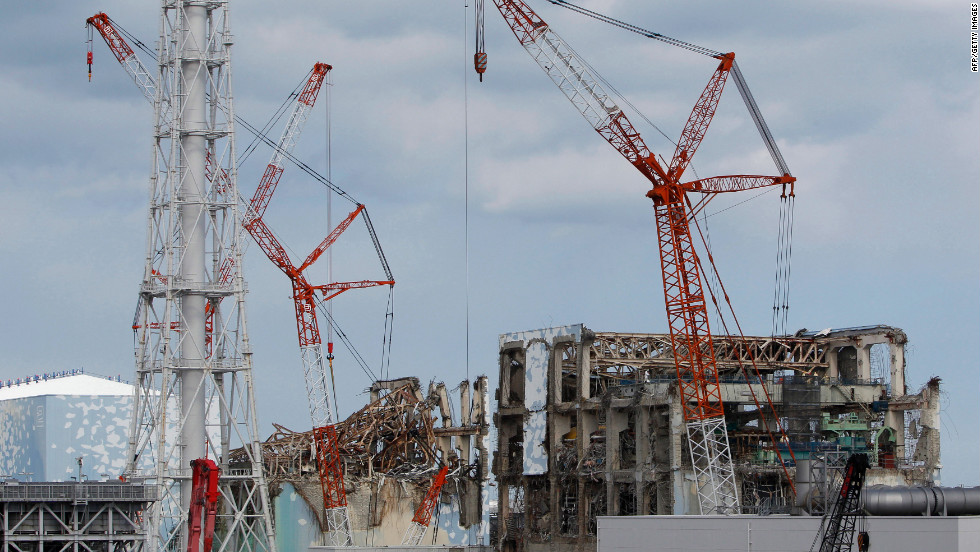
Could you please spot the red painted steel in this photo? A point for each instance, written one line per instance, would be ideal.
(687, 315)
(331, 468)
(423, 514)
(204, 505)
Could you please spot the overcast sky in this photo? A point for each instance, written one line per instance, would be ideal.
(873, 104)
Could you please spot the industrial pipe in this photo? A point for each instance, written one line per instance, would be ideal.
(921, 501)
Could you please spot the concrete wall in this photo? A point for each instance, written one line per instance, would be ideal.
(779, 533)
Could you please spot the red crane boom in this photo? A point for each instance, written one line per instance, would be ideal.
(423, 514)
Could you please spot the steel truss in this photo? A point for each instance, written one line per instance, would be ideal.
(714, 471)
(194, 396)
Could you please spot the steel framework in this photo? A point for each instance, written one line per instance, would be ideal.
(194, 395)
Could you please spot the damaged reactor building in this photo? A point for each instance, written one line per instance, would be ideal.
(590, 424)
(391, 449)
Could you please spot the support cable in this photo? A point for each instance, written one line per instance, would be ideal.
(281, 111)
(751, 356)
(302, 165)
(466, 180)
(387, 336)
(347, 343)
(329, 168)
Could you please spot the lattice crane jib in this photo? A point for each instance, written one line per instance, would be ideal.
(194, 400)
(423, 514)
(304, 301)
(685, 301)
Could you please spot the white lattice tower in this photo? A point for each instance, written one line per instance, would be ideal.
(714, 470)
(195, 394)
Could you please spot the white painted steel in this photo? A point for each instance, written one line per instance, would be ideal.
(317, 385)
(714, 471)
(141, 76)
(190, 268)
(338, 527)
(195, 399)
(294, 127)
(413, 537)
(572, 77)
(321, 413)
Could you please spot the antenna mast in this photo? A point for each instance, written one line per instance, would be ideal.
(195, 395)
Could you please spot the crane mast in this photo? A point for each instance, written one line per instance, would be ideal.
(842, 520)
(423, 514)
(314, 371)
(685, 301)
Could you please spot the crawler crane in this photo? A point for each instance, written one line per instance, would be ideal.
(840, 523)
(691, 340)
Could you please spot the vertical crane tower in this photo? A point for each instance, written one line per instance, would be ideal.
(687, 315)
(194, 393)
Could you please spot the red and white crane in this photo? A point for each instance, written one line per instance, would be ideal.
(314, 370)
(423, 514)
(121, 49)
(691, 340)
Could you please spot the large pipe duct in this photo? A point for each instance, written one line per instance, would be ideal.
(921, 501)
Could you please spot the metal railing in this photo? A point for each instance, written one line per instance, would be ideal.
(77, 492)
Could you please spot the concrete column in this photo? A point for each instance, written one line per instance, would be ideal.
(681, 487)
(896, 420)
(897, 368)
(832, 370)
(584, 370)
(864, 361)
(504, 387)
(644, 440)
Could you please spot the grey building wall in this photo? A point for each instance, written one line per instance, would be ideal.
(779, 533)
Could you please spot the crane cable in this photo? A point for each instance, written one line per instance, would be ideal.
(466, 164)
(784, 254)
(742, 367)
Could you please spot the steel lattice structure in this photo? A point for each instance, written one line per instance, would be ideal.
(195, 393)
